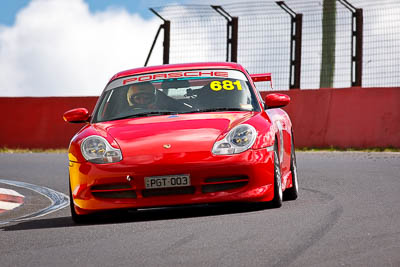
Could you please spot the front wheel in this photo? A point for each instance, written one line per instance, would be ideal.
(277, 200)
(292, 192)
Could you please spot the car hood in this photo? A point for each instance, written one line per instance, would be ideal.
(171, 133)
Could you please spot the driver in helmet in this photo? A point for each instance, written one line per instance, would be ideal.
(142, 95)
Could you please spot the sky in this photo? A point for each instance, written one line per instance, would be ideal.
(10, 8)
(73, 47)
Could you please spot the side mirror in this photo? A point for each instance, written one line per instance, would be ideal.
(77, 115)
(276, 100)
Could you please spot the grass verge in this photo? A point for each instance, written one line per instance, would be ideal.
(33, 150)
(339, 149)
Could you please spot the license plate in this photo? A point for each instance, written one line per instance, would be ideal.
(167, 181)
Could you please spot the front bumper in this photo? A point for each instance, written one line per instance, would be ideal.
(247, 177)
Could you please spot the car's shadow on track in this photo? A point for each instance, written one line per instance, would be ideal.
(128, 216)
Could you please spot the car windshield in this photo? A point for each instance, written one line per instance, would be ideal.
(176, 92)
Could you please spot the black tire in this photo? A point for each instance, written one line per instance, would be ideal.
(79, 219)
(278, 195)
(292, 193)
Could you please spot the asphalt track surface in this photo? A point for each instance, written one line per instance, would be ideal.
(348, 214)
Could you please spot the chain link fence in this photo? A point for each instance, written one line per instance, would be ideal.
(264, 40)
(199, 34)
(381, 59)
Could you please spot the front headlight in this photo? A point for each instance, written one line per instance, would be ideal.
(238, 140)
(96, 149)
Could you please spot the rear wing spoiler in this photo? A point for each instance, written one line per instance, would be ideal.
(262, 77)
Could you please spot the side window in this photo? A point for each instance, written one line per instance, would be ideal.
(255, 87)
(104, 106)
(259, 95)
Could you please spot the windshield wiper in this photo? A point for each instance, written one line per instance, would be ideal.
(217, 109)
(154, 113)
(146, 114)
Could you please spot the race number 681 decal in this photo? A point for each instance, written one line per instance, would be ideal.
(226, 85)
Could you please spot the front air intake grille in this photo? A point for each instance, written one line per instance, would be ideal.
(225, 179)
(168, 191)
(211, 188)
(114, 194)
(113, 191)
(110, 187)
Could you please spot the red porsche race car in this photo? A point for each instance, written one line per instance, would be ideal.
(181, 134)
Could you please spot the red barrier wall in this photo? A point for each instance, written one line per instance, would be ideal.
(345, 118)
(352, 117)
(36, 122)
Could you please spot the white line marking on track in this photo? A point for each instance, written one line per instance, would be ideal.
(10, 192)
(4, 205)
(10, 199)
